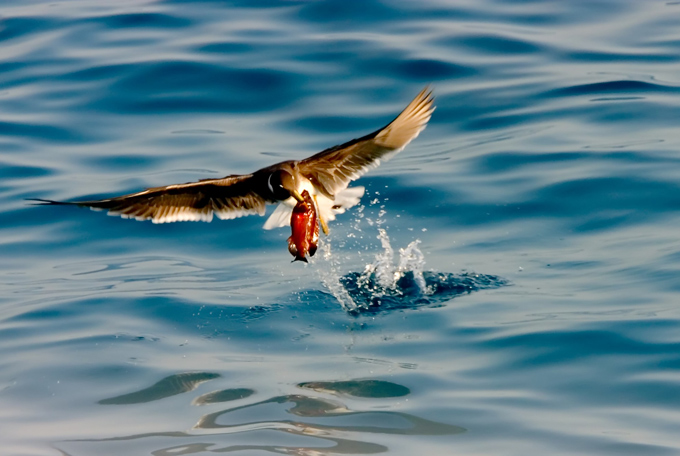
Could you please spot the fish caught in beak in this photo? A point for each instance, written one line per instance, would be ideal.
(304, 224)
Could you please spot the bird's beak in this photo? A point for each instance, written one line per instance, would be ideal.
(297, 196)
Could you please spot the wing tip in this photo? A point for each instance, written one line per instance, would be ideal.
(47, 202)
(410, 122)
(423, 103)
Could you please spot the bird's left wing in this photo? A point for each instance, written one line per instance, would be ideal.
(227, 198)
(333, 169)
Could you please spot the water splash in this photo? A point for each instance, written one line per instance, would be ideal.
(385, 284)
(331, 278)
(384, 276)
(382, 269)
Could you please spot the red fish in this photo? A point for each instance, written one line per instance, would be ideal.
(305, 229)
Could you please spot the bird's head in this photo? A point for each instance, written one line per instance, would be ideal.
(283, 185)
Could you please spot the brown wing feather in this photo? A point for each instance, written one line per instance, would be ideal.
(229, 197)
(333, 169)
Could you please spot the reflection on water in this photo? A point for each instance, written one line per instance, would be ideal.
(226, 395)
(296, 424)
(359, 388)
(169, 386)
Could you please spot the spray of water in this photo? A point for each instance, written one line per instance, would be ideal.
(331, 278)
(385, 274)
(382, 277)
(386, 283)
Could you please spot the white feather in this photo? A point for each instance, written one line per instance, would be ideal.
(281, 215)
(344, 199)
(327, 208)
(232, 214)
(176, 214)
(180, 216)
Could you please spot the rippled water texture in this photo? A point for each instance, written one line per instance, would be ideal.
(508, 285)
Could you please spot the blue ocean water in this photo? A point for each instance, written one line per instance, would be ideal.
(508, 286)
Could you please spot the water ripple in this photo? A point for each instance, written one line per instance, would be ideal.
(318, 425)
(551, 165)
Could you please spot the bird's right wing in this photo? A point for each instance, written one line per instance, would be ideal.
(227, 198)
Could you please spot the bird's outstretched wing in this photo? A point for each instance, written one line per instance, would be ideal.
(227, 198)
(333, 169)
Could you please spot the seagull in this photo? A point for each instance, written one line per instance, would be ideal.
(325, 175)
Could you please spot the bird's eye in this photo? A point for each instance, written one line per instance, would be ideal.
(278, 183)
(275, 180)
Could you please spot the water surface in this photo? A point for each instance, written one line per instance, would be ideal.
(508, 285)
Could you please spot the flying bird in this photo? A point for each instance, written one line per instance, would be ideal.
(325, 176)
